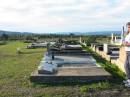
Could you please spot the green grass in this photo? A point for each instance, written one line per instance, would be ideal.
(95, 86)
(3, 42)
(15, 70)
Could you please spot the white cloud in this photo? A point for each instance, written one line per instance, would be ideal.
(63, 15)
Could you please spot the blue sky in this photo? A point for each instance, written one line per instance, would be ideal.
(63, 15)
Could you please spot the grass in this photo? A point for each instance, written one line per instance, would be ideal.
(15, 70)
(95, 86)
(3, 42)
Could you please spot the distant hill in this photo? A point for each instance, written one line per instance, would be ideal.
(104, 33)
(91, 33)
(15, 33)
(62, 33)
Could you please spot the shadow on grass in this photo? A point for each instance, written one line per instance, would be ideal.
(35, 84)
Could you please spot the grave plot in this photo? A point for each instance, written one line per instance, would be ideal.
(112, 52)
(58, 66)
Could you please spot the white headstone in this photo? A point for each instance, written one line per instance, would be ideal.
(80, 40)
(105, 47)
(112, 38)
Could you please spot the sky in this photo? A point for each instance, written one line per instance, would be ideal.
(63, 15)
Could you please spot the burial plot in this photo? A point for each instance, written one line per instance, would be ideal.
(69, 67)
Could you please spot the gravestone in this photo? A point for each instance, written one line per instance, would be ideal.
(112, 38)
(46, 68)
(80, 40)
(105, 48)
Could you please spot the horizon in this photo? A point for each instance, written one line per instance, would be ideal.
(64, 33)
(39, 16)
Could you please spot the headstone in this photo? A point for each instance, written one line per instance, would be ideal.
(105, 47)
(112, 38)
(84, 43)
(47, 68)
(80, 40)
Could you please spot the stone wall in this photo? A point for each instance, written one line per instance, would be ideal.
(122, 54)
(119, 62)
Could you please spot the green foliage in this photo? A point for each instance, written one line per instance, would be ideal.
(4, 37)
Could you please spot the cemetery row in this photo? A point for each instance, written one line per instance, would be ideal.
(113, 53)
(67, 61)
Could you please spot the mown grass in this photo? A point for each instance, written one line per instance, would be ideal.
(15, 70)
(3, 42)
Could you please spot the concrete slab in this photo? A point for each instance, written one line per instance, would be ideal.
(92, 71)
(72, 75)
(71, 66)
(74, 61)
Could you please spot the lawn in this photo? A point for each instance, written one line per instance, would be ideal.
(15, 70)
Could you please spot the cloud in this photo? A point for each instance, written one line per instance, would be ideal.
(63, 15)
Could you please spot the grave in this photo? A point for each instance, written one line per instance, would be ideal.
(93, 46)
(121, 60)
(70, 63)
(116, 40)
(100, 47)
(39, 45)
(111, 52)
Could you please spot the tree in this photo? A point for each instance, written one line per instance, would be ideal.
(4, 36)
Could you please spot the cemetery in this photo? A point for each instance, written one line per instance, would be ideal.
(39, 45)
(64, 48)
(110, 52)
(61, 65)
(113, 52)
(66, 61)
